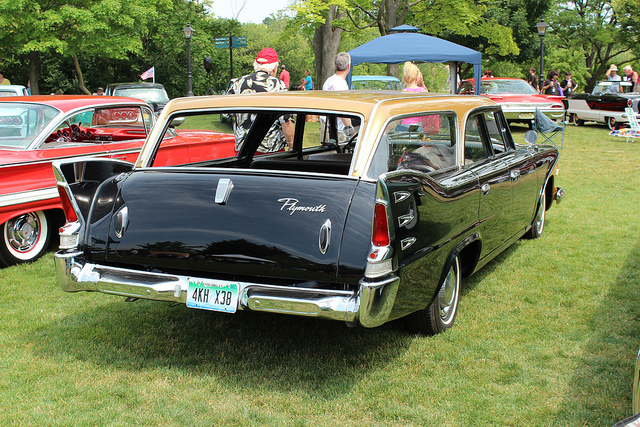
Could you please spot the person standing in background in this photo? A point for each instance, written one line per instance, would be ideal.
(4, 81)
(533, 79)
(412, 77)
(631, 76)
(338, 81)
(551, 86)
(612, 74)
(307, 81)
(568, 85)
(284, 76)
(263, 79)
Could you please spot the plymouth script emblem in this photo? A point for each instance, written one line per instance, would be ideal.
(291, 205)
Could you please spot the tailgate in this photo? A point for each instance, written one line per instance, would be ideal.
(232, 223)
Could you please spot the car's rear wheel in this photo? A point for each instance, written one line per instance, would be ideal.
(537, 226)
(441, 313)
(612, 123)
(25, 238)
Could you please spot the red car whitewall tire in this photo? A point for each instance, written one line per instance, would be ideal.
(25, 238)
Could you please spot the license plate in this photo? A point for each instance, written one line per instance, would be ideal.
(526, 115)
(214, 295)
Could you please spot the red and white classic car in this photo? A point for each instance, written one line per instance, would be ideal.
(36, 130)
(518, 99)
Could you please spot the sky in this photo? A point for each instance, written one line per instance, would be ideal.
(254, 10)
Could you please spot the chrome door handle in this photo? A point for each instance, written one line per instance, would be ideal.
(485, 189)
(324, 239)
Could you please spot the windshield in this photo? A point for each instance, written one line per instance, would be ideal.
(149, 94)
(506, 86)
(611, 87)
(8, 92)
(20, 123)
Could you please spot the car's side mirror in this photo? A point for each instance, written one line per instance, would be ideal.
(530, 137)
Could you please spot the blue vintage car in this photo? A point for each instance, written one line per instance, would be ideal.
(376, 83)
(375, 213)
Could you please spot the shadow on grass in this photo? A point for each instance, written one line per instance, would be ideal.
(469, 283)
(601, 386)
(247, 350)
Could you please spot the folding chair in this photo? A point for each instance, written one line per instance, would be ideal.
(633, 124)
(543, 125)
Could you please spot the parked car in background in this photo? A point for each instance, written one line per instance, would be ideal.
(376, 83)
(153, 94)
(36, 130)
(13, 90)
(605, 104)
(518, 99)
(374, 223)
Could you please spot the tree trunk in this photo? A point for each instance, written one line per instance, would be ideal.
(76, 65)
(326, 41)
(34, 65)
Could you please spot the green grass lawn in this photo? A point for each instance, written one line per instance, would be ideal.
(546, 335)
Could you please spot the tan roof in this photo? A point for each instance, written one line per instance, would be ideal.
(359, 102)
(375, 106)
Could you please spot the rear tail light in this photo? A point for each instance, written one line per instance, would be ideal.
(629, 103)
(67, 207)
(380, 235)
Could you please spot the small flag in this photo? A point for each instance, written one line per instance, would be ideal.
(149, 74)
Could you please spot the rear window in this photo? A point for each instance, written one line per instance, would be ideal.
(279, 140)
(151, 94)
(21, 124)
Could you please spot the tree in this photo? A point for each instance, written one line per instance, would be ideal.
(31, 30)
(603, 31)
(326, 40)
(442, 18)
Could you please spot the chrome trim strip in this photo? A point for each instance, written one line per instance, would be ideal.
(369, 306)
(29, 196)
(636, 386)
(103, 154)
(244, 172)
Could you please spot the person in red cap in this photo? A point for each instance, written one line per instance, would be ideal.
(263, 79)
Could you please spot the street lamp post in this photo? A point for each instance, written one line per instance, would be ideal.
(542, 30)
(188, 32)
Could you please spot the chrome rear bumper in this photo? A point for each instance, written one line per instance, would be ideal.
(369, 306)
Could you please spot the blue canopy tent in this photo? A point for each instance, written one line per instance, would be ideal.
(404, 43)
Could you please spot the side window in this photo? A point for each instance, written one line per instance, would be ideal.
(424, 143)
(466, 88)
(474, 148)
(279, 131)
(340, 129)
(498, 143)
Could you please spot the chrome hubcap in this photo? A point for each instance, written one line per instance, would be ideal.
(539, 223)
(23, 232)
(448, 296)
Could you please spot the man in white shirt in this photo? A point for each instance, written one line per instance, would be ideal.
(338, 81)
